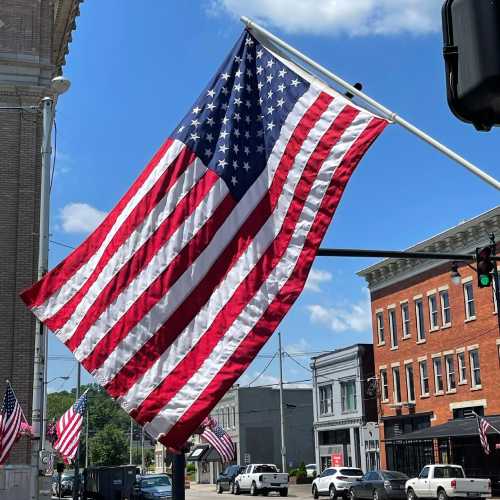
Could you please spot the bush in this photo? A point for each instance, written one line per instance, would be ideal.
(191, 467)
(293, 472)
(303, 479)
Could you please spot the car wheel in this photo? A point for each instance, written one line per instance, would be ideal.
(315, 493)
(237, 490)
(442, 495)
(253, 490)
(231, 488)
(219, 488)
(284, 492)
(410, 494)
(375, 495)
(332, 492)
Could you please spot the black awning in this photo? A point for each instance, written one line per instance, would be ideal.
(459, 427)
(205, 453)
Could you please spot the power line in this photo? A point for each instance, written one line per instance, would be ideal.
(297, 363)
(263, 371)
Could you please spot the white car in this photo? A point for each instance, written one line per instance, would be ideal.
(261, 478)
(335, 481)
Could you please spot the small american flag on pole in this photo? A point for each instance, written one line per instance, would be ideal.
(11, 419)
(69, 427)
(219, 439)
(483, 426)
(169, 300)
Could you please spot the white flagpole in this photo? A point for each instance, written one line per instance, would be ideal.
(258, 30)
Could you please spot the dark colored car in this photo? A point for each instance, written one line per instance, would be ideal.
(225, 481)
(67, 479)
(152, 487)
(380, 485)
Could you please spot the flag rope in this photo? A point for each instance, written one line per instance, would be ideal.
(265, 35)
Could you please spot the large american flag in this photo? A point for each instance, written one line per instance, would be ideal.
(483, 426)
(169, 300)
(219, 439)
(69, 427)
(11, 418)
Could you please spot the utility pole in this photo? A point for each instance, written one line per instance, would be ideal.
(76, 481)
(282, 416)
(143, 464)
(87, 439)
(131, 440)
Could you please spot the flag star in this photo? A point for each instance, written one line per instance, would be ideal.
(209, 137)
(236, 132)
(234, 180)
(225, 76)
(270, 63)
(270, 110)
(211, 93)
(260, 149)
(224, 90)
(259, 53)
(260, 133)
(236, 149)
(210, 121)
(194, 137)
(281, 87)
(247, 119)
(208, 152)
(195, 123)
(260, 69)
(223, 148)
(282, 73)
(247, 136)
(269, 78)
(249, 57)
(238, 73)
(248, 41)
(295, 82)
(280, 102)
(261, 100)
(224, 105)
(260, 118)
(225, 120)
(260, 85)
(248, 88)
(211, 106)
(196, 110)
(235, 164)
(224, 134)
(237, 59)
(238, 87)
(248, 104)
(270, 94)
(222, 163)
(246, 166)
(181, 128)
(237, 117)
(246, 149)
(249, 73)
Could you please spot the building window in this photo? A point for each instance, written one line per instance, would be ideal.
(462, 369)
(410, 385)
(445, 307)
(424, 378)
(393, 328)
(433, 312)
(419, 310)
(475, 370)
(380, 328)
(438, 375)
(470, 309)
(384, 385)
(396, 383)
(450, 372)
(348, 394)
(234, 416)
(326, 400)
(405, 316)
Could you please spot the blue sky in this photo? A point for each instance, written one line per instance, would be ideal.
(136, 70)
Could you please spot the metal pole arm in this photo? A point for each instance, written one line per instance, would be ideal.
(258, 30)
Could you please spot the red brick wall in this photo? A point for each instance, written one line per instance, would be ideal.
(483, 331)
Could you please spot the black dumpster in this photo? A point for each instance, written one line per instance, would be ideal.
(109, 483)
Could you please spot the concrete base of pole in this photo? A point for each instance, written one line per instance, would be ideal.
(179, 477)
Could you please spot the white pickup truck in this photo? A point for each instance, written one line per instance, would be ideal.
(261, 478)
(446, 481)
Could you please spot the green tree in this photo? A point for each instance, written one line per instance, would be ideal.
(109, 446)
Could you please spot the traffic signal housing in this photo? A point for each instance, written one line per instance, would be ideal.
(485, 267)
(471, 32)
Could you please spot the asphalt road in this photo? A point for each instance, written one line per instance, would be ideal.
(205, 491)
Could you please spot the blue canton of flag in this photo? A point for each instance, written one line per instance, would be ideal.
(236, 121)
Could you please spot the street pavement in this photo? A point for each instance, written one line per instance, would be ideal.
(203, 491)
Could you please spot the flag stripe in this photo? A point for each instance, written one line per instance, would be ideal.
(144, 358)
(253, 342)
(9, 438)
(110, 287)
(258, 274)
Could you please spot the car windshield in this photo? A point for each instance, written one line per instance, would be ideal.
(391, 474)
(265, 468)
(448, 471)
(351, 472)
(151, 482)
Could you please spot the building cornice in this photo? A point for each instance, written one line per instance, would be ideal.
(65, 14)
(463, 238)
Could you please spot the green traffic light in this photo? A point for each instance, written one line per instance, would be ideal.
(485, 279)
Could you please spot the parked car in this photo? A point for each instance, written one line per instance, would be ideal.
(152, 486)
(225, 480)
(67, 479)
(380, 485)
(444, 481)
(311, 470)
(335, 481)
(261, 478)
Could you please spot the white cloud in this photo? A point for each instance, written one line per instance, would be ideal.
(298, 347)
(80, 218)
(334, 17)
(346, 318)
(264, 379)
(316, 278)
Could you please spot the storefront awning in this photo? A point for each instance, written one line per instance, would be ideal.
(459, 427)
(205, 453)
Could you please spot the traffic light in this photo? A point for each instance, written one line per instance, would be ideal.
(471, 32)
(484, 267)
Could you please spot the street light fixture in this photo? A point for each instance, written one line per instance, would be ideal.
(60, 85)
(455, 275)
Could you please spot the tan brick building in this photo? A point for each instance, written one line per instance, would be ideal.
(436, 350)
(34, 38)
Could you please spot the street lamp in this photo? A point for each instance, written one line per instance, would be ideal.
(455, 275)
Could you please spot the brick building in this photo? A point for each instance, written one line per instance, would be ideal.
(436, 350)
(34, 38)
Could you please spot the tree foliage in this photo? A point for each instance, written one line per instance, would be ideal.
(109, 447)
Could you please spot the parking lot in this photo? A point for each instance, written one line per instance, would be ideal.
(196, 491)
